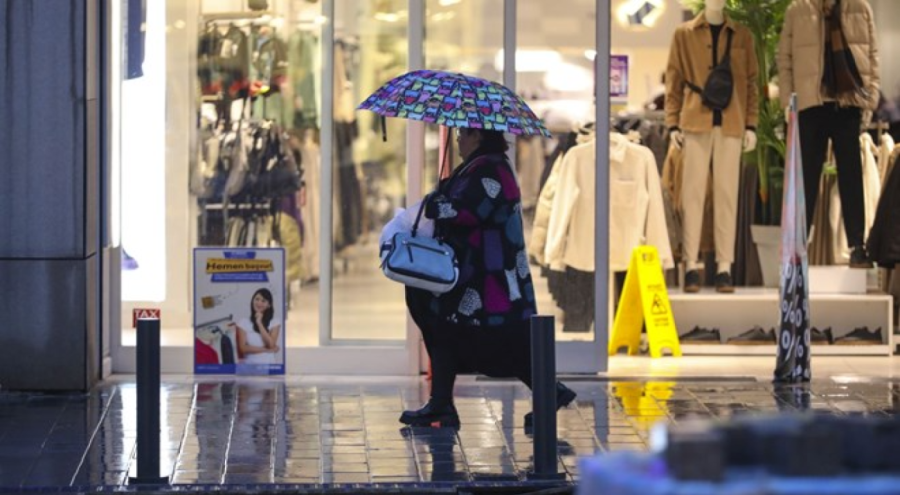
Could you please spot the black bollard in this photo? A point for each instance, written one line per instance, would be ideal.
(543, 391)
(148, 444)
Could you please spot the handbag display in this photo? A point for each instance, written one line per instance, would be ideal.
(420, 261)
(716, 93)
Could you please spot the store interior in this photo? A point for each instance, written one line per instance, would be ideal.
(214, 69)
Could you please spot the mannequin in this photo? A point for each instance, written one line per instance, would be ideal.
(832, 103)
(707, 135)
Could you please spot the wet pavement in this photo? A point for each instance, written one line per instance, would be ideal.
(331, 431)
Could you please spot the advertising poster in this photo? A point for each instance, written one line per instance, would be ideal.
(618, 77)
(239, 311)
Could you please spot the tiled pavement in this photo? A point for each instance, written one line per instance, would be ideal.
(342, 431)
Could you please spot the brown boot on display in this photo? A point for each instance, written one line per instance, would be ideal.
(723, 283)
(692, 281)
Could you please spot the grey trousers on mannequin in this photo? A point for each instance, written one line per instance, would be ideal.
(725, 154)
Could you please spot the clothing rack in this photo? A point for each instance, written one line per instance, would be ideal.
(213, 322)
(880, 127)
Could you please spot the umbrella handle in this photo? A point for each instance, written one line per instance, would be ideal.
(383, 129)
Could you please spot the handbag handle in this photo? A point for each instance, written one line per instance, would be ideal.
(419, 214)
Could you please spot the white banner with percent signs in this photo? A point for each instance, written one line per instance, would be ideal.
(239, 311)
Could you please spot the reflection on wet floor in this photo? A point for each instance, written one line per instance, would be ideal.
(271, 430)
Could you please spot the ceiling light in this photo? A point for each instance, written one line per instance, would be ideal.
(530, 60)
(640, 13)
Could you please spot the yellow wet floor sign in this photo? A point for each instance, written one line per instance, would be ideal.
(644, 301)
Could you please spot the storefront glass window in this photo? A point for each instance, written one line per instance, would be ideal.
(204, 84)
(554, 74)
(461, 36)
(369, 171)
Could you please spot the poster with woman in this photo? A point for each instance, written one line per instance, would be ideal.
(239, 311)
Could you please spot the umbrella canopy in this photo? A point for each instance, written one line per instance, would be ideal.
(454, 100)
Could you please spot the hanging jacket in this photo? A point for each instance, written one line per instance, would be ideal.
(636, 210)
(884, 238)
(801, 53)
(545, 200)
(885, 149)
(542, 213)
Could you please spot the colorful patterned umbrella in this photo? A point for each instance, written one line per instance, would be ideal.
(454, 100)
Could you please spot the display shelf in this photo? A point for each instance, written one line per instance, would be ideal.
(736, 313)
(770, 350)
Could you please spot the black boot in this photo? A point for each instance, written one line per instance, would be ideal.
(564, 397)
(438, 416)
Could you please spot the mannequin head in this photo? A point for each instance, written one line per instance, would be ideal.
(715, 5)
(715, 11)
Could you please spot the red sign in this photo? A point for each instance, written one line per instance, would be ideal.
(138, 313)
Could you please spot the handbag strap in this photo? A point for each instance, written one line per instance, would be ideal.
(727, 57)
(444, 164)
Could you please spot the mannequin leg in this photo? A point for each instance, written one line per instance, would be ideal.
(695, 173)
(813, 148)
(726, 180)
(845, 124)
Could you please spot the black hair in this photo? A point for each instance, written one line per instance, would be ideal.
(267, 314)
(493, 141)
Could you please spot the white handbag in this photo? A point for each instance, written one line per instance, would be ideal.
(420, 261)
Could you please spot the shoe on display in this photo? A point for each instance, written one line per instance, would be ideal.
(701, 336)
(692, 281)
(564, 397)
(861, 336)
(432, 415)
(755, 336)
(821, 337)
(723, 283)
(859, 258)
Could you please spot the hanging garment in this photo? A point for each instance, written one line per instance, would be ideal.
(209, 46)
(821, 244)
(871, 178)
(234, 62)
(203, 166)
(884, 239)
(637, 215)
(302, 73)
(235, 227)
(579, 300)
(529, 160)
(746, 270)
(309, 206)
(538, 239)
(204, 354)
(289, 239)
(226, 350)
(885, 149)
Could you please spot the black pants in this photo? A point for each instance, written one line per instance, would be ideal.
(841, 125)
(500, 352)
